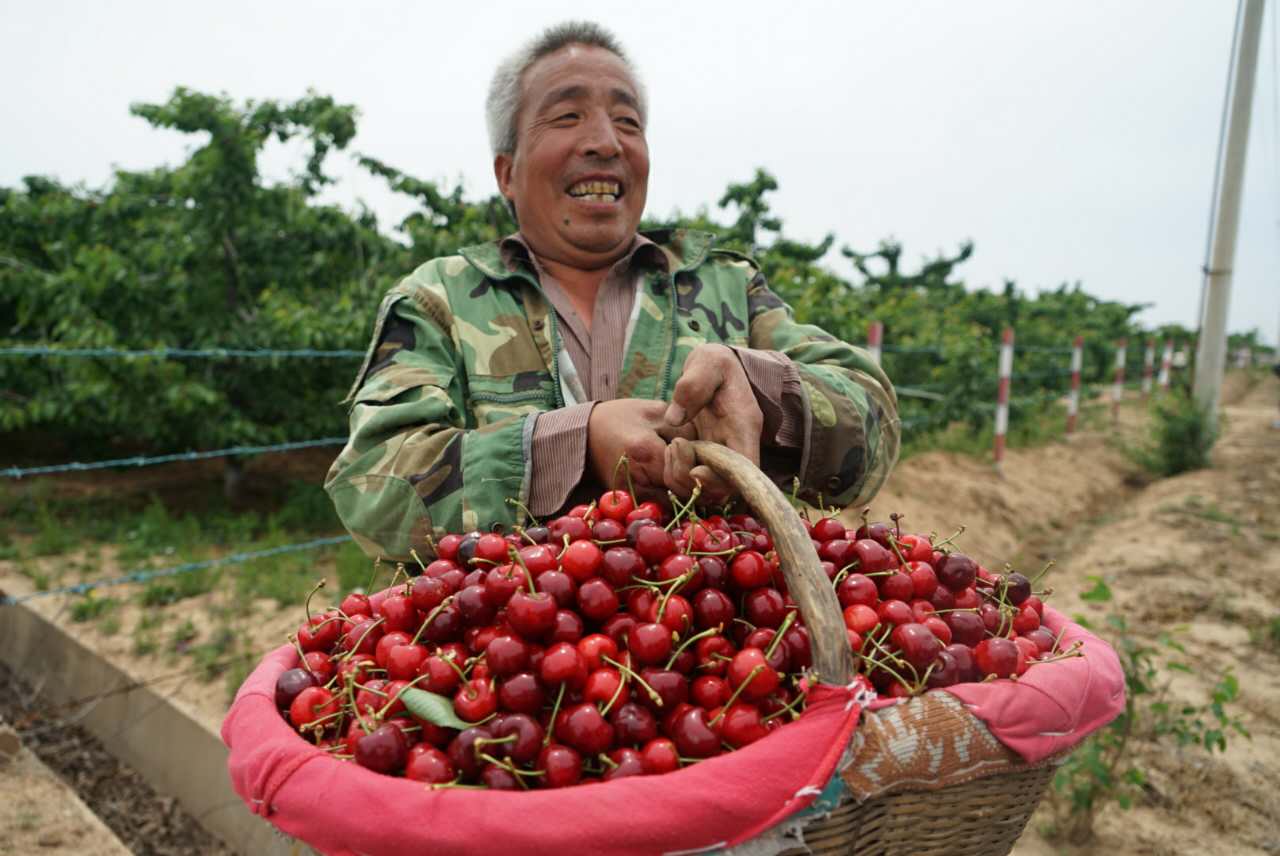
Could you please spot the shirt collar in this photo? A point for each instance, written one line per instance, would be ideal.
(643, 253)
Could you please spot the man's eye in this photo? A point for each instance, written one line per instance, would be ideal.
(635, 123)
(566, 116)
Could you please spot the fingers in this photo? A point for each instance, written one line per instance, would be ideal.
(704, 371)
(682, 473)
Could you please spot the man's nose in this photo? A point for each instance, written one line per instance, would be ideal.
(600, 137)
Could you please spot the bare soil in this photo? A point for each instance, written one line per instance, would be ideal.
(1194, 555)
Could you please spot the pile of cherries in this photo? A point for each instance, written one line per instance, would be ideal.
(622, 639)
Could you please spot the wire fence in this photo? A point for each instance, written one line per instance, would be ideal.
(152, 460)
(939, 404)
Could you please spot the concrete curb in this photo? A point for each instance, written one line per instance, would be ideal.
(175, 753)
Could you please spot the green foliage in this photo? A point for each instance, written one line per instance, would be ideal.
(208, 253)
(91, 607)
(1182, 436)
(1103, 770)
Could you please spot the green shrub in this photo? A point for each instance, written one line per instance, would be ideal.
(1182, 436)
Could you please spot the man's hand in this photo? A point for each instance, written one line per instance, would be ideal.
(715, 397)
(634, 427)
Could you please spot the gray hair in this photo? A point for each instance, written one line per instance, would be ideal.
(503, 103)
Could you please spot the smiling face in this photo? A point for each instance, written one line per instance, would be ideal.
(580, 172)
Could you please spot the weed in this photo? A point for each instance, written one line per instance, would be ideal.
(306, 509)
(1182, 436)
(183, 635)
(110, 625)
(89, 607)
(163, 591)
(1266, 635)
(144, 634)
(53, 537)
(352, 568)
(211, 657)
(1101, 770)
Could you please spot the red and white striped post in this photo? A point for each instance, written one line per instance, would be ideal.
(1073, 401)
(1166, 364)
(1117, 391)
(875, 335)
(1148, 363)
(1002, 393)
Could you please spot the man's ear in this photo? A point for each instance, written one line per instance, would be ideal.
(503, 166)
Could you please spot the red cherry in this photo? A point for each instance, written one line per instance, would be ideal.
(404, 661)
(562, 664)
(827, 529)
(923, 579)
(562, 764)
(895, 612)
(506, 655)
(581, 560)
(474, 605)
(398, 613)
(1041, 636)
(560, 586)
(620, 564)
(897, 586)
(595, 648)
(966, 599)
(447, 547)
(712, 608)
(649, 643)
(310, 704)
(714, 654)
(604, 685)
(765, 607)
(527, 733)
(363, 637)
(290, 683)
(1027, 651)
(382, 650)
(626, 762)
(654, 544)
(861, 619)
(586, 730)
(916, 548)
(356, 604)
(748, 570)
(997, 656)
(616, 504)
(659, 756)
(320, 633)
(677, 614)
(857, 588)
(693, 736)
(709, 691)
(1036, 604)
(384, 750)
(532, 615)
(957, 572)
(521, 693)
(320, 665)
(428, 764)
(967, 628)
(1026, 620)
(742, 725)
(744, 663)
(475, 700)
(938, 628)
(597, 599)
(442, 679)
(918, 646)
(428, 592)
(872, 556)
(606, 530)
(575, 527)
(633, 724)
(538, 558)
(569, 627)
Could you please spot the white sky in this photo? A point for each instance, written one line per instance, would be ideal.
(1070, 140)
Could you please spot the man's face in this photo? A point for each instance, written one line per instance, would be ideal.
(580, 172)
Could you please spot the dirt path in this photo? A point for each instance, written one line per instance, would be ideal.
(1195, 557)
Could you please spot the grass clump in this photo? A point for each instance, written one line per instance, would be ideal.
(1182, 436)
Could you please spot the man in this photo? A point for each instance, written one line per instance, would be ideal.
(516, 374)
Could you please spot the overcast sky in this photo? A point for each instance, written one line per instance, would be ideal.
(1069, 140)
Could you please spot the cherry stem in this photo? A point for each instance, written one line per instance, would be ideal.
(416, 558)
(367, 631)
(882, 664)
(897, 523)
(949, 540)
(631, 673)
(377, 566)
(777, 636)
(383, 712)
(431, 616)
(609, 762)
(515, 556)
(302, 655)
(1073, 651)
(737, 692)
(520, 505)
(622, 684)
(448, 658)
(789, 707)
(624, 463)
(711, 631)
(893, 545)
(551, 724)
(679, 583)
(678, 516)
(306, 604)
(1043, 571)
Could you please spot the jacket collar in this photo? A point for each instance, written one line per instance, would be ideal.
(681, 249)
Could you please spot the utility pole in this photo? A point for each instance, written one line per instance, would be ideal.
(1211, 352)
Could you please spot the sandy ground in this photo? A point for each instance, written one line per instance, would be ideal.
(40, 813)
(1172, 565)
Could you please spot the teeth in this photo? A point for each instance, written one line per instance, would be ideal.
(598, 197)
(596, 188)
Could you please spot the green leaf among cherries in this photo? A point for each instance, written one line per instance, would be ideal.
(433, 708)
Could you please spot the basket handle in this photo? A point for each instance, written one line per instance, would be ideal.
(809, 586)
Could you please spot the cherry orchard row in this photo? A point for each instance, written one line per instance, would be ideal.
(631, 639)
(1005, 376)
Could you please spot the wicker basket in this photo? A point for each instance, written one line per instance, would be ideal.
(980, 816)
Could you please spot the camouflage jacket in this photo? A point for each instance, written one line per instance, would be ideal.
(466, 352)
